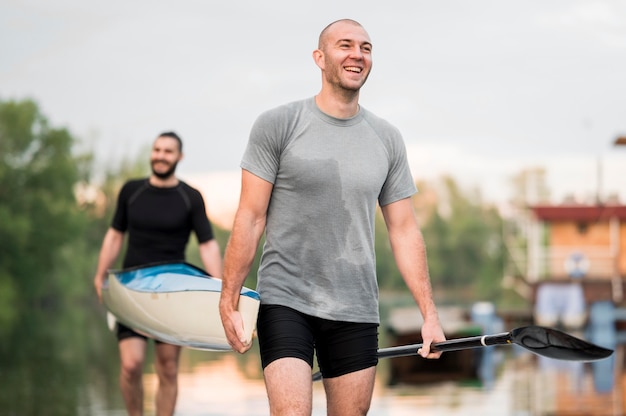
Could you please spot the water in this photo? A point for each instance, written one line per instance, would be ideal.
(66, 364)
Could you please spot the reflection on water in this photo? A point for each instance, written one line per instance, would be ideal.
(215, 388)
(67, 364)
(522, 385)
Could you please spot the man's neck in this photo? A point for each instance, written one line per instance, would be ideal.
(338, 105)
(169, 182)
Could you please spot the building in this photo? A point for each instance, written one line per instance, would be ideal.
(575, 254)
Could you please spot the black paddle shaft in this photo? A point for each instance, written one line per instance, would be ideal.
(539, 340)
(449, 345)
(542, 341)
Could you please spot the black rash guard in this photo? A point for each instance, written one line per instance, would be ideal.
(159, 221)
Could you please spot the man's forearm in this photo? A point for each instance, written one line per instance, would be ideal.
(211, 257)
(239, 255)
(111, 247)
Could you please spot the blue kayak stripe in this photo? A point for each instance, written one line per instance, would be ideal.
(173, 277)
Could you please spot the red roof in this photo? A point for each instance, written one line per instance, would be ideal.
(579, 212)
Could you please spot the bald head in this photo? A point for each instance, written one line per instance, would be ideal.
(323, 40)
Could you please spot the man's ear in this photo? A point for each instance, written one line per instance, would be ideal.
(318, 57)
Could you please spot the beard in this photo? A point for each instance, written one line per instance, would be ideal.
(335, 79)
(346, 90)
(164, 175)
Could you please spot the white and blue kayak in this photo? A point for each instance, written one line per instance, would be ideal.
(176, 303)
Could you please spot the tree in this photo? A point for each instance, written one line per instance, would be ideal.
(39, 216)
(464, 237)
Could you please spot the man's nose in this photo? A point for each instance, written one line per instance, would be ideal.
(357, 52)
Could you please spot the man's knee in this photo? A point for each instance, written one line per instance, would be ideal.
(350, 394)
(167, 362)
(168, 369)
(132, 355)
(131, 368)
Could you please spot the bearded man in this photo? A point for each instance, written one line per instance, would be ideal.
(158, 213)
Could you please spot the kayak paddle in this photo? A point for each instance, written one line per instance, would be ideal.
(543, 341)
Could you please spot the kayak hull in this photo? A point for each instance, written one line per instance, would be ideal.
(176, 303)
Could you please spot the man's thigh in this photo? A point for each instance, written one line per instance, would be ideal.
(350, 394)
(289, 387)
(347, 356)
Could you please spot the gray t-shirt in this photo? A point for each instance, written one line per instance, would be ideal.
(328, 175)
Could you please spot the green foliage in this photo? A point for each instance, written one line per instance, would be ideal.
(463, 241)
(58, 363)
(38, 211)
(8, 302)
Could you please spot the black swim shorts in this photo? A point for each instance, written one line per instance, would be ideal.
(341, 347)
(124, 332)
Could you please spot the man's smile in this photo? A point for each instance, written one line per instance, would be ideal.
(355, 69)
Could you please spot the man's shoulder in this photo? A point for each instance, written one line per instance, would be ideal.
(185, 186)
(375, 119)
(133, 184)
(188, 189)
(287, 109)
(294, 105)
(380, 125)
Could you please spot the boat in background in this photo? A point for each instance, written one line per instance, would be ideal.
(176, 303)
(404, 326)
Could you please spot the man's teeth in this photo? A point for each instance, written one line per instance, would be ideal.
(353, 69)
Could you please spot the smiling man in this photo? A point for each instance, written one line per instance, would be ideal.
(158, 214)
(312, 175)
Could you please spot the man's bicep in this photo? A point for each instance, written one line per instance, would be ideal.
(398, 213)
(255, 193)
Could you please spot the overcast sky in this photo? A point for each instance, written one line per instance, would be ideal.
(479, 89)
